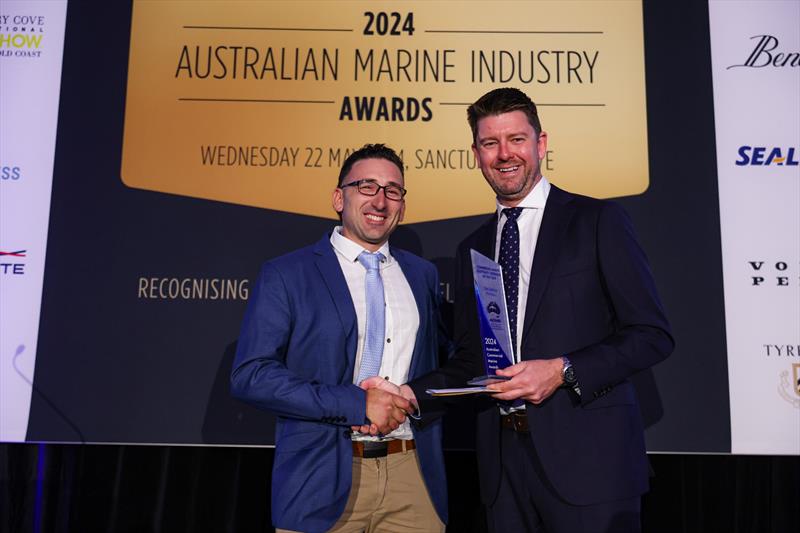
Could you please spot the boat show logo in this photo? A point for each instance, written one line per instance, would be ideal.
(21, 35)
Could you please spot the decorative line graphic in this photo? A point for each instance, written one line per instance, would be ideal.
(18, 253)
(465, 104)
(516, 32)
(246, 100)
(261, 29)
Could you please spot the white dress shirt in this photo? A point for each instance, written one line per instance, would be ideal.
(529, 222)
(402, 315)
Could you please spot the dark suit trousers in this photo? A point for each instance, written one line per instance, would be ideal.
(526, 502)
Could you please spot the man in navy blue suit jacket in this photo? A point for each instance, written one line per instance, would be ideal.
(299, 352)
(571, 458)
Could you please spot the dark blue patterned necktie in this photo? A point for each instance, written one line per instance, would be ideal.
(509, 262)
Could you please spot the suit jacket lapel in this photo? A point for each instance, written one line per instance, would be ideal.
(331, 272)
(486, 238)
(557, 214)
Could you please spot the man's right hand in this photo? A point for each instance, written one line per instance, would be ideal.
(386, 411)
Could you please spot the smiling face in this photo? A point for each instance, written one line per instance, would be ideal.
(509, 152)
(369, 220)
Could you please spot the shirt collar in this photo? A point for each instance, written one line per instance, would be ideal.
(351, 250)
(534, 200)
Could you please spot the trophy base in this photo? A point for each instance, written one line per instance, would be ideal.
(482, 381)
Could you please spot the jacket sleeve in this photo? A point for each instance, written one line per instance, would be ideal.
(260, 375)
(641, 335)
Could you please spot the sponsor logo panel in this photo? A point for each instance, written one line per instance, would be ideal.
(755, 60)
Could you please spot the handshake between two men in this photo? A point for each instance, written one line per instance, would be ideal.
(388, 404)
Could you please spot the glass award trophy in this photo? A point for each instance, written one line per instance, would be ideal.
(494, 329)
(492, 317)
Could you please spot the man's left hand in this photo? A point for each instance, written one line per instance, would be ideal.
(533, 380)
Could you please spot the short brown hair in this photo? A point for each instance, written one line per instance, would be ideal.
(370, 151)
(499, 101)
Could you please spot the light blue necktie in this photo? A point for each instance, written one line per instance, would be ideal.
(376, 317)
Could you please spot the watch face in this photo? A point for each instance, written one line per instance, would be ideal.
(569, 375)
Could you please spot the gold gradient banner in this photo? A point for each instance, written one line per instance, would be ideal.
(258, 103)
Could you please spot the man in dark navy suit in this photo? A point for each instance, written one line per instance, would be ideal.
(561, 444)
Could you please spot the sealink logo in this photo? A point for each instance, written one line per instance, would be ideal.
(767, 156)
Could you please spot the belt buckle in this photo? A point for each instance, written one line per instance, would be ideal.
(518, 422)
(375, 449)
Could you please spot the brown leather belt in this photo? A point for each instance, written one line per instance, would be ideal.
(518, 421)
(370, 449)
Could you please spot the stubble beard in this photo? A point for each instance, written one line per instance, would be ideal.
(512, 191)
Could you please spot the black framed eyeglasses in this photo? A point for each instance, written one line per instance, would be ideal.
(370, 188)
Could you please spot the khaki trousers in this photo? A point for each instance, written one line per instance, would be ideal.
(388, 495)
